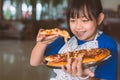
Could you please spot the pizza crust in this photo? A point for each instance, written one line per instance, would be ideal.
(55, 64)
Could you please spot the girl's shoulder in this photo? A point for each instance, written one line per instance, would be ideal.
(106, 40)
(104, 37)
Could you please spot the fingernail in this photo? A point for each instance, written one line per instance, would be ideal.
(92, 74)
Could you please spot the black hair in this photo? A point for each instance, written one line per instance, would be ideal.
(93, 7)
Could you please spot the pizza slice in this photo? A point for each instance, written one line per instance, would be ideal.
(89, 56)
(54, 31)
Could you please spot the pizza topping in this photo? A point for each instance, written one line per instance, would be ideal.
(59, 57)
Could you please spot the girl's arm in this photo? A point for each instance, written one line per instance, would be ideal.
(37, 54)
(108, 69)
(40, 47)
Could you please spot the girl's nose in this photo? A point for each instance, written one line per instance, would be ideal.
(78, 24)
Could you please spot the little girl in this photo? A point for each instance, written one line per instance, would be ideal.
(84, 18)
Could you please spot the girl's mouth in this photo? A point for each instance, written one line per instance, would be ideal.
(81, 33)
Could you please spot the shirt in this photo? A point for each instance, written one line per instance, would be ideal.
(106, 70)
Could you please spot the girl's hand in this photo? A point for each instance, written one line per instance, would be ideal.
(46, 39)
(76, 68)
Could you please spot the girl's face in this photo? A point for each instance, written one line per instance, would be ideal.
(83, 27)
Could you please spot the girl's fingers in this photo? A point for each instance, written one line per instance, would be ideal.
(68, 66)
(64, 68)
(50, 40)
(89, 72)
(79, 67)
(51, 37)
(39, 32)
(74, 67)
(40, 38)
(46, 39)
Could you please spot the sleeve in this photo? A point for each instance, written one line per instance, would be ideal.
(108, 69)
(54, 47)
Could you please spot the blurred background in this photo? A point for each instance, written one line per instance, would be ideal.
(20, 21)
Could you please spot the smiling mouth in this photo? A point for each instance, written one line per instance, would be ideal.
(81, 33)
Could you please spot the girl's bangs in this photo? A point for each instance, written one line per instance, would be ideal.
(79, 13)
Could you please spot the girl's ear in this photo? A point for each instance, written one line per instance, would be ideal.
(100, 18)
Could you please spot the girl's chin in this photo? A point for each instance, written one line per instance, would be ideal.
(84, 39)
(81, 38)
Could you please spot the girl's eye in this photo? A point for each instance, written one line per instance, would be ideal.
(72, 20)
(86, 20)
